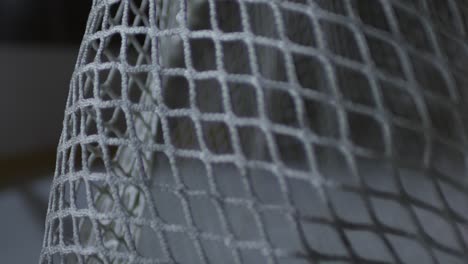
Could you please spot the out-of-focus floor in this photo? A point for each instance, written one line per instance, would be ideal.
(22, 216)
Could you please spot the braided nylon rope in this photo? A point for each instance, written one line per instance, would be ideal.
(265, 131)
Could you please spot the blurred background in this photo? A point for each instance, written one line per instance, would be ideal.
(39, 42)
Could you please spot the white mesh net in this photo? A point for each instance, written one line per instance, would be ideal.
(265, 131)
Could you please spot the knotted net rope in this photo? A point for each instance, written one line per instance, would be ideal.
(265, 131)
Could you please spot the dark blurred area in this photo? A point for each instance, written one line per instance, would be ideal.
(39, 42)
(44, 21)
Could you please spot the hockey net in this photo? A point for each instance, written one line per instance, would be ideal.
(265, 131)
